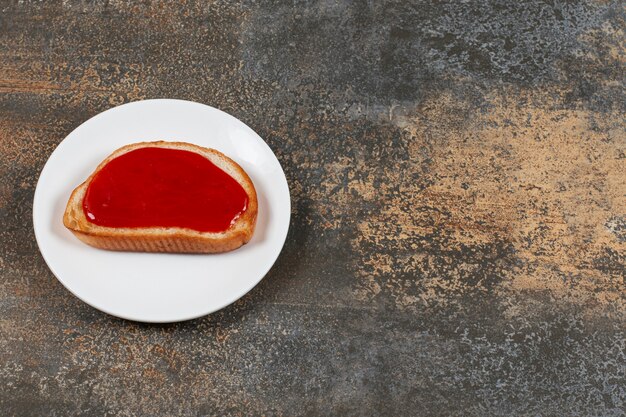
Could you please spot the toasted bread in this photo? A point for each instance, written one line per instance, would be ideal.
(165, 239)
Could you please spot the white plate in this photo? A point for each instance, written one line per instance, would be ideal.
(152, 287)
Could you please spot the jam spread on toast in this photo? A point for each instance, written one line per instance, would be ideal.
(162, 187)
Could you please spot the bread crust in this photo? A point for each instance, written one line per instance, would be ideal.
(165, 239)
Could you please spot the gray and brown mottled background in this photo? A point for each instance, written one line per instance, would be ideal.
(458, 177)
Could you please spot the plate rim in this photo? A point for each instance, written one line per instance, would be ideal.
(212, 310)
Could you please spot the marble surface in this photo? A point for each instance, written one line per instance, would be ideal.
(458, 237)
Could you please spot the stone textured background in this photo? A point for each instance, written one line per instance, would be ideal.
(458, 178)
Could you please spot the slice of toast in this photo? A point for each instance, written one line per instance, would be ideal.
(165, 239)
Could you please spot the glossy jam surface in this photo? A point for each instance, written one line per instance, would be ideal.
(159, 187)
